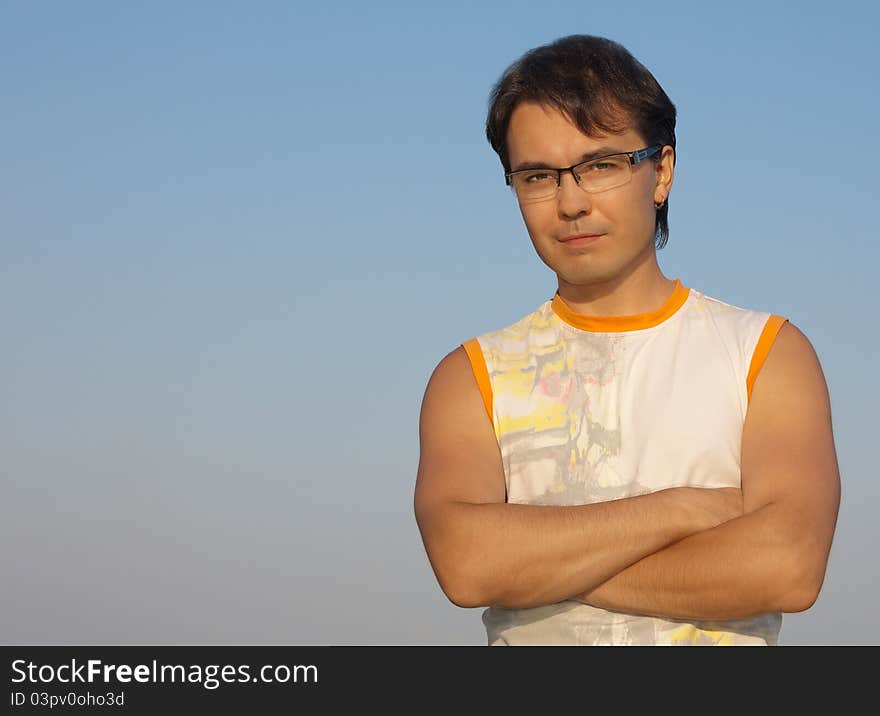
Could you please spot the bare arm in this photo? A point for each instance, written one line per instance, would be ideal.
(773, 557)
(485, 551)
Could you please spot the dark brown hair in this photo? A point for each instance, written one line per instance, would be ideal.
(590, 80)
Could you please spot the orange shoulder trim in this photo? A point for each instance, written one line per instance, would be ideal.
(481, 373)
(765, 342)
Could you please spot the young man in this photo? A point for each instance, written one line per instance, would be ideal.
(634, 462)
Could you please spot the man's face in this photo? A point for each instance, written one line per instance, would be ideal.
(624, 216)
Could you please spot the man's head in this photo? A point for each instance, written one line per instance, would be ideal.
(571, 98)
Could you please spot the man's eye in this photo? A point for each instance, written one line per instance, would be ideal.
(597, 167)
(538, 177)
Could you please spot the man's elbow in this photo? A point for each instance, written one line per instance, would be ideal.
(470, 594)
(463, 598)
(460, 581)
(801, 589)
(468, 586)
(462, 590)
(469, 599)
(798, 600)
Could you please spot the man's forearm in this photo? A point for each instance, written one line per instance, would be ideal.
(738, 569)
(516, 556)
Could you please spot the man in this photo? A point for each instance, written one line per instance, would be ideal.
(634, 462)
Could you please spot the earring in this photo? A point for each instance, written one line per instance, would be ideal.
(660, 205)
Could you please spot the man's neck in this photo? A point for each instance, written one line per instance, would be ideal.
(641, 291)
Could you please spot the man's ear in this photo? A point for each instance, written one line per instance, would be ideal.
(665, 174)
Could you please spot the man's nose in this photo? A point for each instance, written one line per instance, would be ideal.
(572, 200)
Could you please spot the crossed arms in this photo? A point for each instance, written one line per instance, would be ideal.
(692, 553)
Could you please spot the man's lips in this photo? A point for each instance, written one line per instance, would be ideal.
(575, 237)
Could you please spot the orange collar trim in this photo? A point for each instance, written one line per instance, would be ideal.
(679, 295)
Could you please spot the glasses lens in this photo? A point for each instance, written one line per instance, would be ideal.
(534, 184)
(604, 173)
(597, 175)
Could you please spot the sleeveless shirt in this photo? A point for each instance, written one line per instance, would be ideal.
(587, 409)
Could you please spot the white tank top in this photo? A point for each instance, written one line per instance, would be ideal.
(588, 409)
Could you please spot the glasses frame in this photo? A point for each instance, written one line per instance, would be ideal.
(635, 157)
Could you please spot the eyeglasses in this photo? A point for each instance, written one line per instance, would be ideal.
(592, 176)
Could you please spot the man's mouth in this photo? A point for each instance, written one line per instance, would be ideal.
(580, 238)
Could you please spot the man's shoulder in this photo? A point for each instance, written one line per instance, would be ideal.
(740, 318)
(722, 306)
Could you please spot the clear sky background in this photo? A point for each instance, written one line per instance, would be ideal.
(236, 239)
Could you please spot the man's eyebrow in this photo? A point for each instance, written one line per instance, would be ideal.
(600, 152)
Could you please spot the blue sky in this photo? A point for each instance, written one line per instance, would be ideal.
(236, 238)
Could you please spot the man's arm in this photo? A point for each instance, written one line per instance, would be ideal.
(485, 551)
(773, 557)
